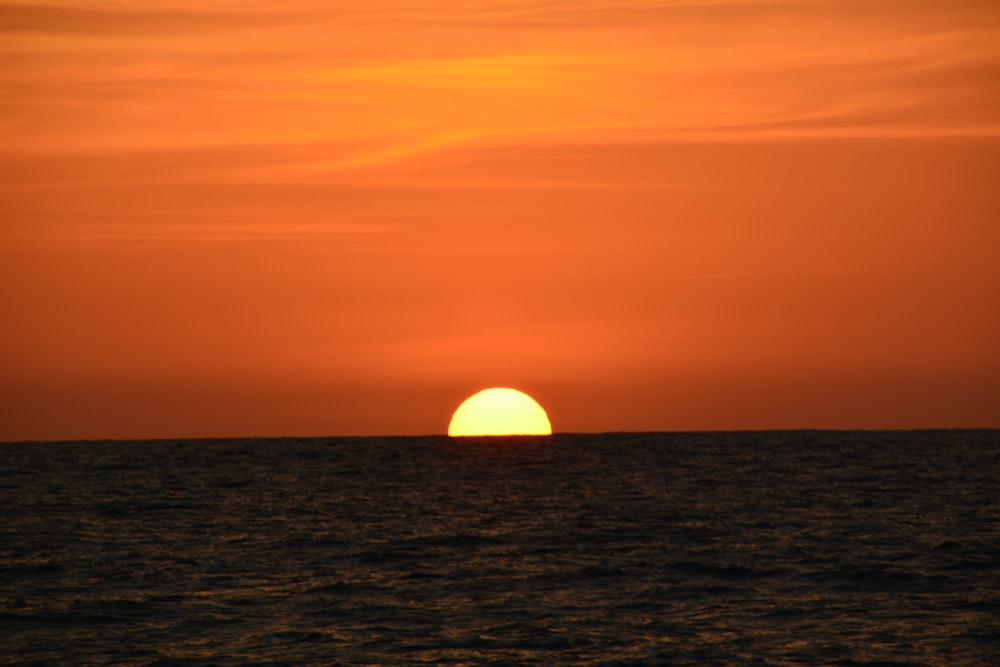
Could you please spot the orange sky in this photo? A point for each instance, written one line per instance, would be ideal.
(257, 219)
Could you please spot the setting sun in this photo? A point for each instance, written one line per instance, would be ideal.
(499, 411)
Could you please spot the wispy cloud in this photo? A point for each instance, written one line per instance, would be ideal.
(399, 80)
(92, 19)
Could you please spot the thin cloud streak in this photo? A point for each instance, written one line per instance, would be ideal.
(853, 69)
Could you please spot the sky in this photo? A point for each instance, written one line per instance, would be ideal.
(309, 218)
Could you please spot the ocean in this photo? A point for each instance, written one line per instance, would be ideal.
(754, 548)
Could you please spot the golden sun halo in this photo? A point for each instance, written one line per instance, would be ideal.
(499, 411)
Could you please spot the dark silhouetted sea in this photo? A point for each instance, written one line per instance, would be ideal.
(760, 548)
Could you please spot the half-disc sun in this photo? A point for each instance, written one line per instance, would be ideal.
(499, 411)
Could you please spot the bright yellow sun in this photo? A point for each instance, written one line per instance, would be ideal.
(499, 411)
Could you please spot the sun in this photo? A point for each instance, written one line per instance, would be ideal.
(499, 411)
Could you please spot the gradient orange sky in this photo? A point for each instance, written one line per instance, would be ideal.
(259, 219)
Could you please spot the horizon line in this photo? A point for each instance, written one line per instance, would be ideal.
(523, 436)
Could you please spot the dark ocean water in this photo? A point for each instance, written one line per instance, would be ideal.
(765, 548)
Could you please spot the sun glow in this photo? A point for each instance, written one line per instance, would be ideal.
(499, 411)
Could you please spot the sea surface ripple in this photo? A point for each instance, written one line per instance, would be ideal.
(757, 548)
